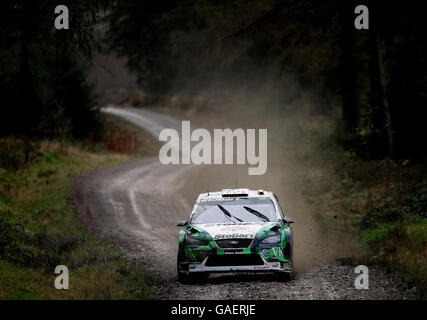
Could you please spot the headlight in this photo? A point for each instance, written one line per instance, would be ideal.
(275, 239)
(195, 242)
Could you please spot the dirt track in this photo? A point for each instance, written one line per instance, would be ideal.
(136, 206)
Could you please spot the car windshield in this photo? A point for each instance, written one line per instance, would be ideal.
(235, 211)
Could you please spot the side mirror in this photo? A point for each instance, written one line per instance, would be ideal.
(182, 224)
(288, 220)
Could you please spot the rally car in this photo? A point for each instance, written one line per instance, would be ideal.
(235, 230)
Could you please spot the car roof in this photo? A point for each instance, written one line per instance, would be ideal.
(228, 194)
(234, 193)
(238, 193)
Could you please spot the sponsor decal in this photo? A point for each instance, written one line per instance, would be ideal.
(222, 231)
(233, 251)
(234, 236)
(234, 228)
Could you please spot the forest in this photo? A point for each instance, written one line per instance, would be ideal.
(378, 76)
(370, 84)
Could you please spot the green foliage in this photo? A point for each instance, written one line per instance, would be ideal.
(42, 84)
(75, 104)
(44, 250)
(384, 202)
(400, 247)
(153, 63)
(39, 230)
(17, 153)
(12, 235)
(401, 203)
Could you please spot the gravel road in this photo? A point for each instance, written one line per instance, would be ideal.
(136, 206)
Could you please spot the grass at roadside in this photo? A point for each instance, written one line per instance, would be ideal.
(384, 201)
(121, 136)
(39, 229)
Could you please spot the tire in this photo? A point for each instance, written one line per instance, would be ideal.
(185, 277)
(286, 276)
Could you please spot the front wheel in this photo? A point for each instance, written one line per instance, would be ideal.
(286, 276)
(289, 274)
(186, 277)
(183, 275)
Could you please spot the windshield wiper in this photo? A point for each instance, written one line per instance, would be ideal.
(228, 214)
(257, 213)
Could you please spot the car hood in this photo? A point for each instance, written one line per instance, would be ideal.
(234, 231)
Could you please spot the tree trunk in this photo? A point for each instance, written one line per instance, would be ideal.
(24, 70)
(27, 97)
(384, 80)
(350, 112)
(377, 117)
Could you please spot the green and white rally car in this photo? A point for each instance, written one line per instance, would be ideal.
(235, 230)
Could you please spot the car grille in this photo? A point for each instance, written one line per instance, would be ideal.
(233, 243)
(234, 260)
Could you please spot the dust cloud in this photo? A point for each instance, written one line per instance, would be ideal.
(294, 129)
(296, 122)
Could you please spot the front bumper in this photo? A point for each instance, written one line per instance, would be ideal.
(275, 266)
